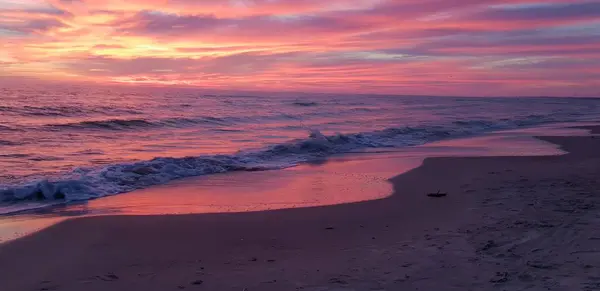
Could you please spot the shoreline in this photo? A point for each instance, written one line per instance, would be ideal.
(471, 240)
(25, 207)
(350, 178)
(441, 148)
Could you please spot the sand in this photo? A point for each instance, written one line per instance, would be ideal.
(508, 223)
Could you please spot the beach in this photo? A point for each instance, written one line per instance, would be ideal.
(301, 145)
(507, 223)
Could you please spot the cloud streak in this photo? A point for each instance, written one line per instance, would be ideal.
(470, 47)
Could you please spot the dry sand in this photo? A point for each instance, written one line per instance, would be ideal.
(508, 223)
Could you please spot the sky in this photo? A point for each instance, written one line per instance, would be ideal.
(425, 47)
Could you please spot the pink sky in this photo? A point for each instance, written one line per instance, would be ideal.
(430, 47)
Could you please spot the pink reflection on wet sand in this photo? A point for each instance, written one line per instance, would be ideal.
(336, 182)
(343, 179)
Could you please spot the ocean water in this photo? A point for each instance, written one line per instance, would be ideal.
(73, 143)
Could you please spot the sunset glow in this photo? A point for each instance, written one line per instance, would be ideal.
(431, 47)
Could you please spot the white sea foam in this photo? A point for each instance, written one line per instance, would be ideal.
(90, 183)
(100, 131)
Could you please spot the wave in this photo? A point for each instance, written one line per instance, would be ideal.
(123, 124)
(66, 111)
(106, 124)
(8, 143)
(305, 103)
(177, 122)
(7, 128)
(44, 111)
(90, 183)
(52, 111)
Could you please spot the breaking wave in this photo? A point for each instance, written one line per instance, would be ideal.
(89, 183)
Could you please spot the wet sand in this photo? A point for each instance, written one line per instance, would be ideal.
(508, 223)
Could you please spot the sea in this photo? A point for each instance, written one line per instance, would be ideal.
(68, 143)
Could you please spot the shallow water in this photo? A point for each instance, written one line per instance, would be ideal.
(340, 179)
(79, 143)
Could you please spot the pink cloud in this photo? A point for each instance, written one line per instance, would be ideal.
(401, 46)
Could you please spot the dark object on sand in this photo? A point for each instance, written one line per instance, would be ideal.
(500, 277)
(438, 194)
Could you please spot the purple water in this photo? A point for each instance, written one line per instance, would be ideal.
(77, 143)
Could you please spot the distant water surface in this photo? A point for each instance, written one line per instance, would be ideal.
(77, 143)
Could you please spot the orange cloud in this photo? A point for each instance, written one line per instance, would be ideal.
(393, 46)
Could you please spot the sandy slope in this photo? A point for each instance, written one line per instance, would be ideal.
(509, 223)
